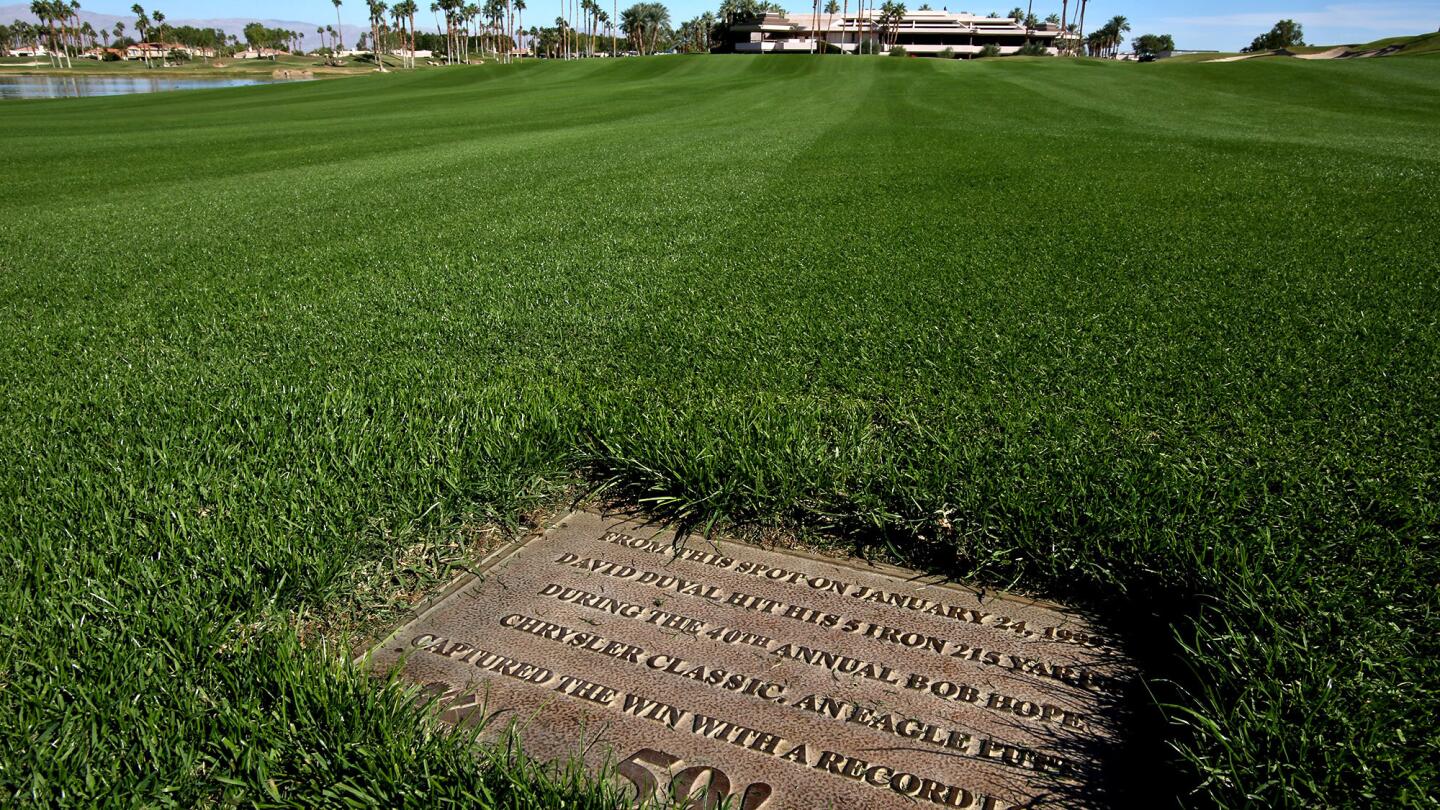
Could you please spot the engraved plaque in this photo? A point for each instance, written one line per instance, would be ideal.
(768, 679)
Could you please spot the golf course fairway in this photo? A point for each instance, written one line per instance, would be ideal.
(1159, 340)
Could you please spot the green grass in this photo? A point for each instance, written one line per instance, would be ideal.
(1418, 43)
(1183, 58)
(1409, 46)
(1163, 342)
(1421, 43)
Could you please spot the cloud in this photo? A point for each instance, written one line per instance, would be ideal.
(1376, 17)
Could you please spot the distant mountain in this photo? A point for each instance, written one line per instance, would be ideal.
(234, 25)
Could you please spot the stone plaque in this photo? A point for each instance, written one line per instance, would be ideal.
(769, 679)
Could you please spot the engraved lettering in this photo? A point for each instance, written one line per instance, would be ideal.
(653, 710)
(674, 621)
(586, 690)
(1003, 711)
(842, 664)
(605, 604)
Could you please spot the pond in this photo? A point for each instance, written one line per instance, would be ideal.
(75, 86)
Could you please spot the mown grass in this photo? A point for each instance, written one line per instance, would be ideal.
(1409, 45)
(1161, 341)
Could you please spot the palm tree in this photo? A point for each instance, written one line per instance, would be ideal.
(472, 17)
(814, 24)
(491, 18)
(142, 25)
(630, 24)
(831, 9)
(396, 16)
(643, 23)
(891, 14)
(582, 14)
(1080, 31)
(473, 30)
(59, 12)
(377, 19)
(410, 8)
(435, 13)
(159, 19)
(592, 12)
(1064, 17)
(339, 35)
(602, 19)
(42, 12)
(519, 7)
(511, 39)
(596, 26)
(74, 15)
(66, 15)
(68, 34)
(1118, 27)
(657, 19)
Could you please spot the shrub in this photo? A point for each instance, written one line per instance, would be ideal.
(869, 46)
(989, 50)
(1033, 49)
(948, 53)
(898, 51)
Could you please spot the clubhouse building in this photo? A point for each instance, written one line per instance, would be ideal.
(924, 33)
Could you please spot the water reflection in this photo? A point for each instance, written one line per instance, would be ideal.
(76, 86)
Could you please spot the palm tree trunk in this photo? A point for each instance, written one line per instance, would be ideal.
(814, 23)
(1080, 32)
(1064, 13)
(865, 9)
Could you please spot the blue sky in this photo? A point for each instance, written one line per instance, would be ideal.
(1221, 24)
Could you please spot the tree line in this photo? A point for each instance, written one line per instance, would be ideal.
(583, 29)
(496, 28)
(63, 35)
